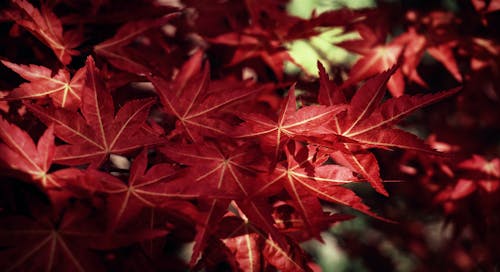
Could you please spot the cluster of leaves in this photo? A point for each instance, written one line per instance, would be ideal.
(453, 218)
(130, 129)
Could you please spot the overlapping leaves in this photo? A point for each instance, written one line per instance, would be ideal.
(65, 93)
(194, 105)
(249, 170)
(98, 132)
(369, 123)
(47, 27)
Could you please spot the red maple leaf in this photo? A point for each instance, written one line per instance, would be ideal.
(99, 132)
(125, 200)
(217, 172)
(20, 153)
(409, 47)
(290, 123)
(47, 27)
(217, 169)
(187, 145)
(369, 123)
(194, 105)
(48, 241)
(220, 172)
(65, 93)
(306, 179)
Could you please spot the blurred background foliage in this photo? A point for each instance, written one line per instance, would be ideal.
(425, 237)
(321, 47)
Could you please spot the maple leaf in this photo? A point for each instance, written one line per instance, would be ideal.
(65, 93)
(125, 200)
(244, 173)
(99, 132)
(308, 120)
(47, 27)
(407, 48)
(307, 180)
(20, 153)
(42, 245)
(217, 169)
(369, 123)
(219, 172)
(60, 242)
(376, 59)
(191, 101)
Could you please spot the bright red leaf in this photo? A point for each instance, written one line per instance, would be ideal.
(189, 154)
(306, 181)
(99, 132)
(47, 27)
(290, 123)
(65, 93)
(217, 169)
(407, 48)
(20, 153)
